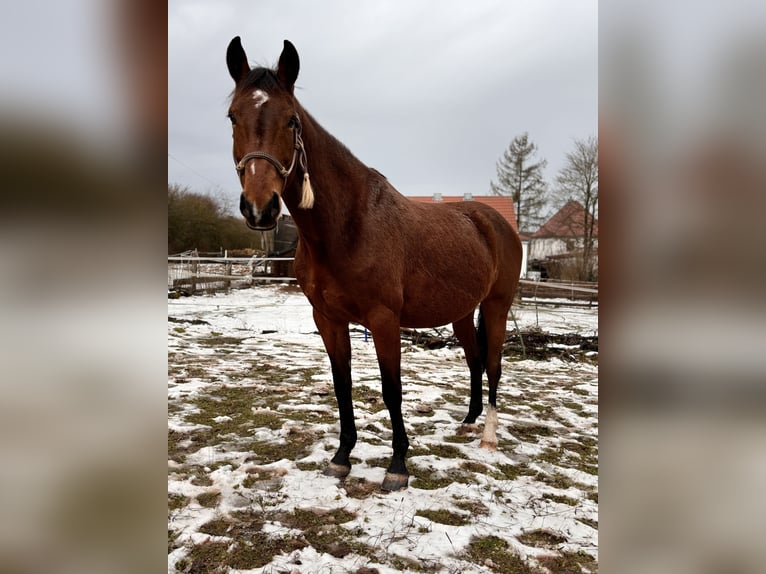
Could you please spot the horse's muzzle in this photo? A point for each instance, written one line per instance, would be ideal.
(260, 220)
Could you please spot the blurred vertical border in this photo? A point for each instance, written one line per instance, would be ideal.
(682, 87)
(83, 115)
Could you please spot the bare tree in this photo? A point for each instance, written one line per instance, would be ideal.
(578, 181)
(522, 179)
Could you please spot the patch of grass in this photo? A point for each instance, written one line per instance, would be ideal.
(456, 438)
(443, 516)
(172, 544)
(476, 467)
(430, 479)
(307, 518)
(556, 480)
(296, 445)
(216, 340)
(309, 466)
(263, 482)
(577, 407)
(425, 479)
(199, 476)
(217, 527)
(259, 549)
(208, 499)
(176, 501)
(451, 398)
(322, 531)
(251, 548)
(204, 558)
(311, 417)
(494, 552)
(541, 538)
(587, 521)
(530, 432)
(236, 404)
(553, 455)
(406, 564)
(542, 409)
(511, 471)
(444, 451)
(359, 487)
(569, 563)
(417, 450)
(561, 499)
(380, 462)
(475, 507)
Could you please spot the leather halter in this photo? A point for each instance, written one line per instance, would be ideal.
(295, 124)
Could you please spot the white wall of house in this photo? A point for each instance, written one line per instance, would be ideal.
(545, 247)
(524, 258)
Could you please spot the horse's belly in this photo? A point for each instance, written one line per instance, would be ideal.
(429, 310)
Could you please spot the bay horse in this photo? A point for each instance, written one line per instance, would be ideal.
(367, 254)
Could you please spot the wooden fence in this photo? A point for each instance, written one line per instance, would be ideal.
(190, 273)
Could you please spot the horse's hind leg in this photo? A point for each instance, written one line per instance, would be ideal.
(466, 334)
(495, 315)
(338, 344)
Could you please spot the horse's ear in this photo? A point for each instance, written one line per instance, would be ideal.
(236, 60)
(287, 70)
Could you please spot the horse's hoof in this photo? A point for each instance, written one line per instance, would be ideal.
(394, 481)
(337, 470)
(488, 445)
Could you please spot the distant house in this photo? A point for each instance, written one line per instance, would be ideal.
(503, 204)
(561, 239)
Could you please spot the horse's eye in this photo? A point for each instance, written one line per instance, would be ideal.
(233, 118)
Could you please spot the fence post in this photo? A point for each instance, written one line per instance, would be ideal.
(193, 278)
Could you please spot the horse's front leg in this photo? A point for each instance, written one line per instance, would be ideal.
(338, 345)
(388, 348)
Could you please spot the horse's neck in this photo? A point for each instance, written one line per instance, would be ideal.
(339, 182)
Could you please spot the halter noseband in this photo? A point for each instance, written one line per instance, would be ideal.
(299, 151)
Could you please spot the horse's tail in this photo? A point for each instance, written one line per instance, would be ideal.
(481, 339)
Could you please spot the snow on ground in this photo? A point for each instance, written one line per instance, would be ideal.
(252, 422)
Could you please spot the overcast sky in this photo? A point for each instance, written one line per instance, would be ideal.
(428, 92)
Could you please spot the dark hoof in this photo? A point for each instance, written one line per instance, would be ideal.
(337, 470)
(394, 482)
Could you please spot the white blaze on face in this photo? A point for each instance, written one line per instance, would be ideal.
(260, 97)
(252, 168)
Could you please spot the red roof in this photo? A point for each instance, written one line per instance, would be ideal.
(503, 204)
(566, 222)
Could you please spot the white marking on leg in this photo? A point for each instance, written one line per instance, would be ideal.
(489, 438)
(260, 98)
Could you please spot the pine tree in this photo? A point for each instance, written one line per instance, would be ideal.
(519, 177)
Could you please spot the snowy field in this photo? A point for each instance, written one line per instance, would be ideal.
(252, 423)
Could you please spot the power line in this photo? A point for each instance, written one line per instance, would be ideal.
(219, 186)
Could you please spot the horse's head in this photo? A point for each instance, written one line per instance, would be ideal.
(266, 132)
